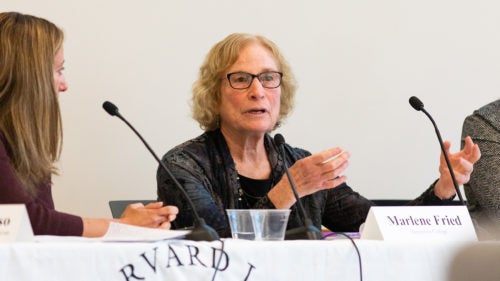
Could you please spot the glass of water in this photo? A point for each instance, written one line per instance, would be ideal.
(240, 221)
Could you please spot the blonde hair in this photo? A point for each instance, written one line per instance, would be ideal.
(206, 90)
(30, 119)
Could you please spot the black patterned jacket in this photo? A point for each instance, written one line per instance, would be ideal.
(205, 168)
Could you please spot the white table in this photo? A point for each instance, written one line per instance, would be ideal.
(86, 259)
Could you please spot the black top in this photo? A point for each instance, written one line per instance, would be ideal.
(252, 190)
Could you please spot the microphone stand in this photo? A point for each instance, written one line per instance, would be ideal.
(308, 231)
(201, 231)
(419, 106)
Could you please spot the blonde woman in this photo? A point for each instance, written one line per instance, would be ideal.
(31, 77)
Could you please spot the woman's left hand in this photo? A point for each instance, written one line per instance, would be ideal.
(462, 164)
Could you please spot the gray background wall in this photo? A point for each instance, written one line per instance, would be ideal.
(357, 63)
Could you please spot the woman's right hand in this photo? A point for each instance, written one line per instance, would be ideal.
(319, 171)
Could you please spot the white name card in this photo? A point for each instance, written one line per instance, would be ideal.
(15, 225)
(450, 223)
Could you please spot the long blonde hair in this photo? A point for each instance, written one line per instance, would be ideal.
(30, 119)
(206, 90)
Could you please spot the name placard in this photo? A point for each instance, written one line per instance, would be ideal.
(403, 223)
(15, 225)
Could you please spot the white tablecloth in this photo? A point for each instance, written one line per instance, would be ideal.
(87, 259)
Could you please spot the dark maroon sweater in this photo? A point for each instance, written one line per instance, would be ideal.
(45, 220)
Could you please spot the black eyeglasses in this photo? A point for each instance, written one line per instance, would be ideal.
(243, 80)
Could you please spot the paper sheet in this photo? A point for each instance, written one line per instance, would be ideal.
(118, 232)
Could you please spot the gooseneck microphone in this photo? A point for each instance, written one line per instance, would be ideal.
(418, 105)
(201, 231)
(308, 231)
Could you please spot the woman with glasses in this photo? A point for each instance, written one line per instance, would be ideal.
(244, 91)
(31, 77)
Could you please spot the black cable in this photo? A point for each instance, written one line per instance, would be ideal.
(355, 247)
(220, 258)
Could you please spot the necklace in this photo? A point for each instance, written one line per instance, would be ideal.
(252, 190)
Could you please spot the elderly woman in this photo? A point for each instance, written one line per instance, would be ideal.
(244, 90)
(31, 77)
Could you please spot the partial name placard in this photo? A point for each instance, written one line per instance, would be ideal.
(15, 225)
(404, 223)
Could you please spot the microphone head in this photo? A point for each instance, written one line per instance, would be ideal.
(416, 103)
(110, 108)
(279, 139)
